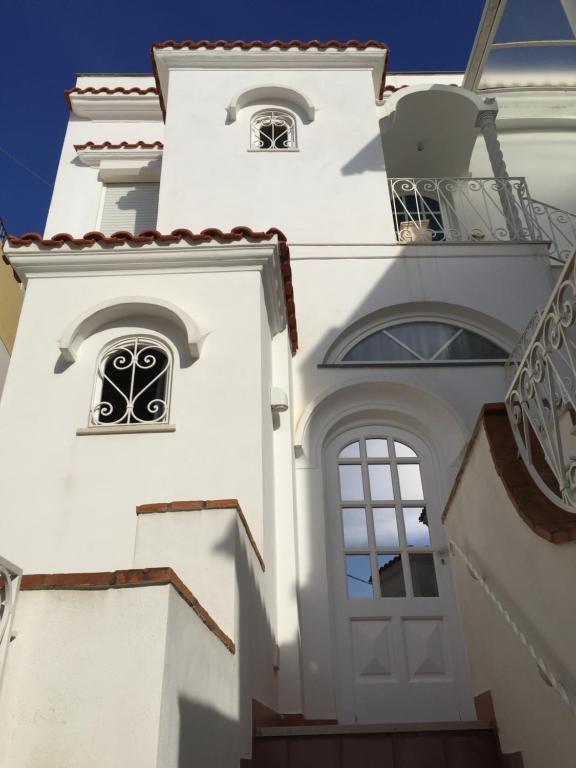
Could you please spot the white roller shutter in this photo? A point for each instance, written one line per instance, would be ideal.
(129, 207)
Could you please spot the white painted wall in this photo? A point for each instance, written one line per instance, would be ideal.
(4, 362)
(339, 163)
(83, 682)
(530, 575)
(82, 501)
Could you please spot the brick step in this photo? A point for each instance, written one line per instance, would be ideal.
(422, 745)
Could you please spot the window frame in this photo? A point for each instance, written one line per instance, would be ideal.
(283, 112)
(98, 382)
(345, 345)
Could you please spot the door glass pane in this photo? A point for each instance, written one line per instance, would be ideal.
(403, 452)
(385, 527)
(416, 526)
(380, 482)
(423, 575)
(391, 576)
(351, 482)
(377, 449)
(351, 451)
(354, 524)
(410, 482)
(359, 576)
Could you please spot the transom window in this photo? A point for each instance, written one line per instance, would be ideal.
(385, 535)
(133, 383)
(272, 130)
(424, 342)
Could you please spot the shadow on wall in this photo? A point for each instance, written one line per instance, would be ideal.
(369, 159)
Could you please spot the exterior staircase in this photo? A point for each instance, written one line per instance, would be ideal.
(424, 745)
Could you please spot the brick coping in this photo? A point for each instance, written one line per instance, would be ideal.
(197, 505)
(134, 577)
(540, 514)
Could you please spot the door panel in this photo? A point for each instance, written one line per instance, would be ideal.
(398, 647)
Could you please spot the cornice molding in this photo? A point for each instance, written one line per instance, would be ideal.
(166, 59)
(109, 105)
(32, 262)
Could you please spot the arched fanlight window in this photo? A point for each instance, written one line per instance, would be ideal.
(133, 383)
(424, 342)
(272, 130)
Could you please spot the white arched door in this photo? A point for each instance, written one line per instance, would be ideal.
(398, 646)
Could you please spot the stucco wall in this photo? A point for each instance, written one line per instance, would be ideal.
(83, 680)
(84, 489)
(531, 577)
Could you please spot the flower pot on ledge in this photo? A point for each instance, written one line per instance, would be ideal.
(417, 231)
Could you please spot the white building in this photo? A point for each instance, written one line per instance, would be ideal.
(241, 391)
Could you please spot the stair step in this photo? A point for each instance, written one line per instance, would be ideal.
(403, 745)
(354, 730)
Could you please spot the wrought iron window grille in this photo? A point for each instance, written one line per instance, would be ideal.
(133, 383)
(273, 131)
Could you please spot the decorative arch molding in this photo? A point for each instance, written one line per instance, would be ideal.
(368, 402)
(125, 307)
(271, 93)
(463, 95)
(433, 311)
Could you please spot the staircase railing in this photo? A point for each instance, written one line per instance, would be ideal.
(550, 677)
(556, 225)
(541, 399)
(10, 577)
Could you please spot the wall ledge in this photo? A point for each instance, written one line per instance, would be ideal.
(197, 505)
(543, 517)
(135, 577)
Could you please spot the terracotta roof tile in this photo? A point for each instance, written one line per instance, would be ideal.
(283, 44)
(120, 145)
(109, 91)
(176, 236)
(246, 45)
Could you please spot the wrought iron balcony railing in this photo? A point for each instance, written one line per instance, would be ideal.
(541, 399)
(557, 226)
(10, 576)
(3, 232)
(463, 210)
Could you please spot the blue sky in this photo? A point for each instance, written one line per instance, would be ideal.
(45, 42)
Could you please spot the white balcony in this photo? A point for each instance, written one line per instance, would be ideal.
(463, 210)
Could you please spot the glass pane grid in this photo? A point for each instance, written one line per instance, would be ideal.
(386, 540)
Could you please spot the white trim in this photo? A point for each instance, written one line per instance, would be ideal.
(270, 92)
(116, 106)
(125, 307)
(370, 59)
(36, 262)
(121, 429)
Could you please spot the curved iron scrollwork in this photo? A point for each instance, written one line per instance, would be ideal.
(541, 399)
(134, 377)
(462, 209)
(273, 130)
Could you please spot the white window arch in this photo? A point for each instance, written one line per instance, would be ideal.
(132, 383)
(422, 342)
(273, 130)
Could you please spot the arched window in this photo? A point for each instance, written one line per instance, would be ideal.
(272, 130)
(133, 383)
(385, 529)
(423, 342)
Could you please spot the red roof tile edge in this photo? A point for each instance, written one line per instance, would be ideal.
(109, 91)
(121, 145)
(177, 235)
(282, 44)
(196, 505)
(134, 577)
